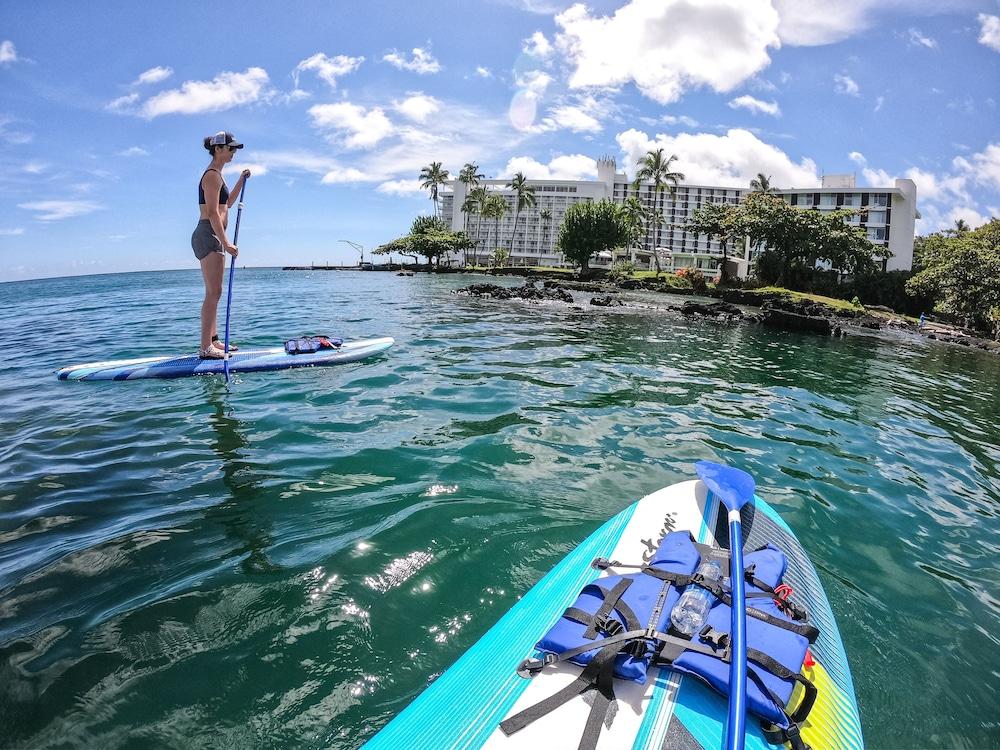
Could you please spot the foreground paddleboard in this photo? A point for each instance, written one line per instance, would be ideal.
(257, 360)
(464, 706)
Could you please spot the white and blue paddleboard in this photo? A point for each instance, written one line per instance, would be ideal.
(255, 360)
(464, 706)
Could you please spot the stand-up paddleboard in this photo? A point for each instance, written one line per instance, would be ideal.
(465, 706)
(257, 360)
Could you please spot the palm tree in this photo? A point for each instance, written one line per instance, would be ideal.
(762, 184)
(635, 217)
(654, 168)
(546, 216)
(470, 177)
(496, 207)
(525, 199)
(961, 227)
(432, 177)
(480, 195)
(469, 206)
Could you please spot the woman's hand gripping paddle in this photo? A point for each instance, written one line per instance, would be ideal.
(232, 269)
(734, 488)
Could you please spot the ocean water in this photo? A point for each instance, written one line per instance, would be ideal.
(288, 562)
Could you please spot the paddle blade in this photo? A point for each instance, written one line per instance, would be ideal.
(734, 487)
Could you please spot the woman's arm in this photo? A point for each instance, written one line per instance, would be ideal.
(211, 183)
(238, 188)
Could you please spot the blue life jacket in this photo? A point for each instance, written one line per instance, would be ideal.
(311, 344)
(619, 626)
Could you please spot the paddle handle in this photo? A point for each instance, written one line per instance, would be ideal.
(232, 270)
(736, 726)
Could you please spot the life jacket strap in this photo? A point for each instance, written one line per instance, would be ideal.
(597, 675)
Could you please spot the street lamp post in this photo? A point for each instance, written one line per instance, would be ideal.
(357, 246)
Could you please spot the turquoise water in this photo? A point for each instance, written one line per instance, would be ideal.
(287, 563)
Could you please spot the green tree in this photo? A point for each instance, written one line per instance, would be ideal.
(635, 217)
(762, 184)
(470, 177)
(719, 221)
(495, 208)
(433, 177)
(962, 273)
(431, 237)
(654, 168)
(546, 216)
(524, 198)
(589, 228)
(469, 206)
(480, 195)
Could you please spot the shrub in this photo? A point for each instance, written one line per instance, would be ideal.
(694, 277)
(621, 270)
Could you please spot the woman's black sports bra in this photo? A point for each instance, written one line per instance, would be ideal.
(223, 191)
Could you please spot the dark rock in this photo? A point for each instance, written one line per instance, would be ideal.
(794, 321)
(606, 301)
(529, 291)
(712, 310)
(580, 286)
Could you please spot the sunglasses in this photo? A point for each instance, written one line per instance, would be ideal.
(233, 148)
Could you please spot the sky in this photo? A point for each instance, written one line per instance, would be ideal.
(104, 106)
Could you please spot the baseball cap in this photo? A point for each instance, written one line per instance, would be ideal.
(224, 138)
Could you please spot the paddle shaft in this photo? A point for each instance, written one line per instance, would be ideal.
(232, 270)
(736, 727)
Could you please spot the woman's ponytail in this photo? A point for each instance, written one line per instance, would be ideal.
(208, 144)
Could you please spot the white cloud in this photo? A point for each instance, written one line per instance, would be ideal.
(982, 168)
(844, 84)
(916, 39)
(359, 128)
(123, 104)
(233, 169)
(724, 43)
(8, 53)
(35, 167)
(534, 82)
(483, 72)
(345, 174)
(400, 187)
(537, 45)
(755, 105)
(879, 102)
(12, 232)
(154, 75)
(680, 119)
(579, 117)
(989, 31)
(417, 106)
(731, 160)
(871, 177)
(56, 210)
(422, 62)
(134, 151)
(811, 22)
(567, 167)
(329, 69)
(225, 91)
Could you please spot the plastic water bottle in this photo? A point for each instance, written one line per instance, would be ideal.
(691, 610)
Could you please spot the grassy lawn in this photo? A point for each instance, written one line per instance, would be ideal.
(837, 304)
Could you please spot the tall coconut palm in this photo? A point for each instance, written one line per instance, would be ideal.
(762, 184)
(480, 195)
(496, 207)
(524, 198)
(654, 168)
(546, 216)
(635, 217)
(469, 206)
(470, 177)
(432, 177)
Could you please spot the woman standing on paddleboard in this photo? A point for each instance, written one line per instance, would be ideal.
(209, 240)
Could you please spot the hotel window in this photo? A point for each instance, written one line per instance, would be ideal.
(878, 199)
(876, 233)
(828, 199)
(876, 217)
(852, 199)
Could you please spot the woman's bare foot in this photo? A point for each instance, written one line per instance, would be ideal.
(222, 347)
(211, 353)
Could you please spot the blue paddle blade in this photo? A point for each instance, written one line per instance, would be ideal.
(734, 487)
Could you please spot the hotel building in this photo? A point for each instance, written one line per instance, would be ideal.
(889, 221)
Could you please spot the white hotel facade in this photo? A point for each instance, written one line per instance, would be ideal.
(889, 220)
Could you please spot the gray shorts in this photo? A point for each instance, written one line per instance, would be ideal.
(203, 240)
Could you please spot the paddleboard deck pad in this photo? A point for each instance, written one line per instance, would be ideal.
(464, 707)
(255, 360)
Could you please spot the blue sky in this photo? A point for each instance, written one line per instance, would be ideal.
(103, 107)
